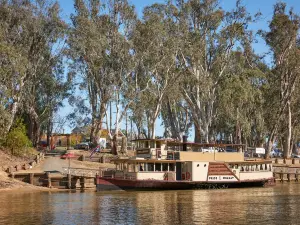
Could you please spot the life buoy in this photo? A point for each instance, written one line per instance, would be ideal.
(188, 176)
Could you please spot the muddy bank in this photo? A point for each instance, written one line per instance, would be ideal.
(7, 160)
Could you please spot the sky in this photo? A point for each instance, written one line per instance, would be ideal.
(253, 6)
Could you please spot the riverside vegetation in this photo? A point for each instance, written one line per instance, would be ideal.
(189, 62)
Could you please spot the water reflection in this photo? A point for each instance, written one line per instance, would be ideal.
(277, 205)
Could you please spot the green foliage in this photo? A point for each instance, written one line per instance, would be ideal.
(31, 57)
(17, 141)
(4, 119)
(73, 142)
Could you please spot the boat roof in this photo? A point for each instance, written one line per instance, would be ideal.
(141, 160)
(150, 139)
(145, 160)
(176, 142)
(251, 162)
(174, 161)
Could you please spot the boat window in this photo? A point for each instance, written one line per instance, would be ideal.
(230, 166)
(252, 168)
(261, 167)
(236, 166)
(266, 167)
(270, 168)
(171, 167)
(157, 166)
(247, 168)
(150, 166)
(141, 167)
(129, 167)
(165, 167)
(152, 143)
(158, 144)
(242, 168)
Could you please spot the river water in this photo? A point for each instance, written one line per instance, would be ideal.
(274, 205)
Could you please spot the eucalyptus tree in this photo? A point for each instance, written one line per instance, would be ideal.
(240, 100)
(209, 35)
(155, 43)
(176, 118)
(283, 40)
(13, 58)
(100, 51)
(30, 31)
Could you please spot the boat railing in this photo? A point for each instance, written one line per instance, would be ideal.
(118, 174)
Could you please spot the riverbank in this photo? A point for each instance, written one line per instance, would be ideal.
(8, 160)
(10, 184)
(50, 163)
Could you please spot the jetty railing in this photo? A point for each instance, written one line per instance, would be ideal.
(80, 171)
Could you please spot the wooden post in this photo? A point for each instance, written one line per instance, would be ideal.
(31, 175)
(68, 141)
(49, 180)
(69, 181)
(82, 181)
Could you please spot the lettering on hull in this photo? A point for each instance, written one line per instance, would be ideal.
(221, 178)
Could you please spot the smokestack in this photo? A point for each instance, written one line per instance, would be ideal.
(184, 140)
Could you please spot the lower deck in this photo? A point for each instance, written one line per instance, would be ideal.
(208, 172)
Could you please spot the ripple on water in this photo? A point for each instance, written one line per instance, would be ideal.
(276, 205)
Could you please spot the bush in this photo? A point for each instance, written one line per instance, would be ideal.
(16, 140)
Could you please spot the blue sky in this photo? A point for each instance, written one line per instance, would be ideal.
(253, 6)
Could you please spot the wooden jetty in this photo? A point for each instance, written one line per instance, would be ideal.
(70, 178)
(286, 173)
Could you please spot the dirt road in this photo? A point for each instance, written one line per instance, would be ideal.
(54, 164)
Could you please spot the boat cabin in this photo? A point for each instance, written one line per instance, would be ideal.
(170, 149)
(162, 159)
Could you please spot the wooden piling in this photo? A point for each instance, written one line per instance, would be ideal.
(31, 176)
(49, 180)
(69, 181)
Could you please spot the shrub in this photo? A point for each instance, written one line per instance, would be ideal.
(16, 140)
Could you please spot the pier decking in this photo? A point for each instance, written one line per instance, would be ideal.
(71, 178)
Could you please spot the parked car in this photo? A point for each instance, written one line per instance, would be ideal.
(230, 149)
(276, 153)
(247, 155)
(43, 144)
(209, 149)
(82, 145)
(68, 156)
(295, 156)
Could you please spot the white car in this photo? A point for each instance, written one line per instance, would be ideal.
(210, 149)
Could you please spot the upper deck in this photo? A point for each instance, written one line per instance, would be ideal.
(186, 151)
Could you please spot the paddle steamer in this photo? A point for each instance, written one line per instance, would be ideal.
(167, 164)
